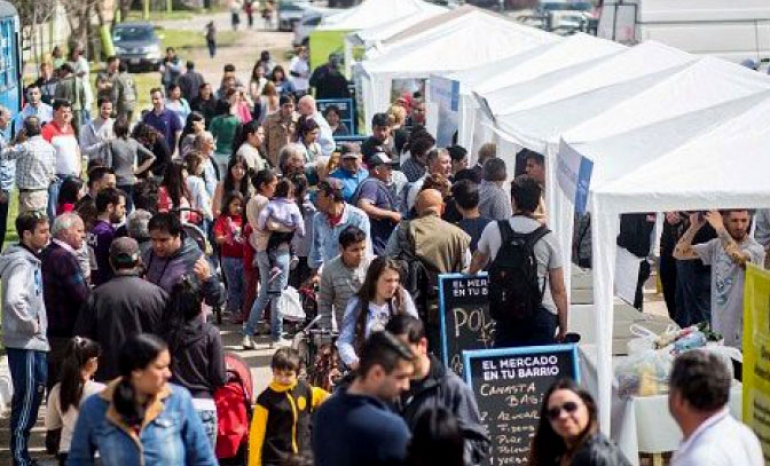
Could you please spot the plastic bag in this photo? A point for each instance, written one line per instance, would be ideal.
(644, 374)
(289, 305)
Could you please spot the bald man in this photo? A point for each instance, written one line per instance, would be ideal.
(307, 108)
(439, 245)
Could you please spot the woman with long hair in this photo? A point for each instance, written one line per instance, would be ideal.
(173, 192)
(128, 158)
(140, 418)
(332, 115)
(257, 81)
(307, 137)
(282, 83)
(195, 125)
(301, 244)
(267, 103)
(236, 179)
(568, 433)
(248, 144)
(380, 297)
(153, 141)
(264, 182)
(197, 357)
(78, 367)
(177, 104)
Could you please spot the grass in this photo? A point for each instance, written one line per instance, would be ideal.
(186, 40)
(175, 15)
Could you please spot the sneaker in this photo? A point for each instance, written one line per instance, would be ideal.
(247, 343)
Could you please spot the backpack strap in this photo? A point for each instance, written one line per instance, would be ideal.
(506, 232)
(537, 235)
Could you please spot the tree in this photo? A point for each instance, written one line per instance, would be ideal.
(33, 14)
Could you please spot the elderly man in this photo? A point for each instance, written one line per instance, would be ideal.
(307, 108)
(440, 246)
(439, 163)
(65, 289)
(350, 172)
(205, 144)
(35, 167)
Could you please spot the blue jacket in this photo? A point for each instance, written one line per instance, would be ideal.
(171, 435)
(325, 245)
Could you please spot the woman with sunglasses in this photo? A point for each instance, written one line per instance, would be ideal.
(568, 433)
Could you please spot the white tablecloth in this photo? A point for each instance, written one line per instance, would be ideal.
(642, 424)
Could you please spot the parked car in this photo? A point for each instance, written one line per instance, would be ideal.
(310, 20)
(290, 12)
(138, 45)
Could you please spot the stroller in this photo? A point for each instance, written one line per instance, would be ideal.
(320, 360)
(234, 410)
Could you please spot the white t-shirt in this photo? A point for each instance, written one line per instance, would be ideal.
(546, 251)
(720, 441)
(55, 419)
(301, 67)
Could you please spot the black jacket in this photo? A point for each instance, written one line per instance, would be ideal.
(124, 306)
(599, 451)
(443, 388)
(197, 358)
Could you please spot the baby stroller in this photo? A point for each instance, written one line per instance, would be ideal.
(234, 411)
(315, 344)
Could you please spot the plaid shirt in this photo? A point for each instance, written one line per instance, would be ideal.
(413, 170)
(35, 162)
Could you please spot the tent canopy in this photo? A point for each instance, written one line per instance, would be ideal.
(373, 13)
(720, 168)
(369, 36)
(474, 37)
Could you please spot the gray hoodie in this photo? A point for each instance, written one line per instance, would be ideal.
(24, 318)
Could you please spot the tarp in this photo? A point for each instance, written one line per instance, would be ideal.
(722, 165)
(471, 39)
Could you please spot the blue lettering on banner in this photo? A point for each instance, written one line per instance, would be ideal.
(583, 184)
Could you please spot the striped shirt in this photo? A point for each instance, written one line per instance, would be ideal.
(35, 163)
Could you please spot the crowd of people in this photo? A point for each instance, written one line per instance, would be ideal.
(135, 223)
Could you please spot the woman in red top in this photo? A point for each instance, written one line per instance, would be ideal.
(228, 234)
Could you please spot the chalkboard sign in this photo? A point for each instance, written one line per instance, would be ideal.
(465, 321)
(347, 111)
(510, 385)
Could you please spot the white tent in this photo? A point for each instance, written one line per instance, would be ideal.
(723, 166)
(373, 13)
(619, 108)
(571, 56)
(470, 39)
(643, 60)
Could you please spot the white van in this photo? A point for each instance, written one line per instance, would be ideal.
(735, 30)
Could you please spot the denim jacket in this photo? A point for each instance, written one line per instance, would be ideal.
(171, 435)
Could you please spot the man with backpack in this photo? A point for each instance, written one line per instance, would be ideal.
(375, 197)
(528, 300)
(429, 246)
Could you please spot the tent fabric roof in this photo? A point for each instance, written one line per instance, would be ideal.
(571, 51)
(473, 39)
(391, 28)
(373, 13)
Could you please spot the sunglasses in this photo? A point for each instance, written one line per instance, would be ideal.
(554, 413)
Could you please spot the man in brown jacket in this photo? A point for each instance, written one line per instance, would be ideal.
(280, 128)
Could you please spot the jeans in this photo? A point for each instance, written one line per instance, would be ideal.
(129, 190)
(540, 330)
(29, 372)
(209, 419)
(693, 293)
(233, 268)
(269, 291)
(212, 47)
(53, 196)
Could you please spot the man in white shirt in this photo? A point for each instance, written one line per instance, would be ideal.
(299, 71)
(699, 389)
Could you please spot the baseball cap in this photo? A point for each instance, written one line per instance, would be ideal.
(350, 150)
(381, 158)
(124, 251)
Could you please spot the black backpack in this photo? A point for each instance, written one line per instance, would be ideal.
(516, 294)
(418, 278)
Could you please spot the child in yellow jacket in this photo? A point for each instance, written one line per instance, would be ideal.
(280, 427)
